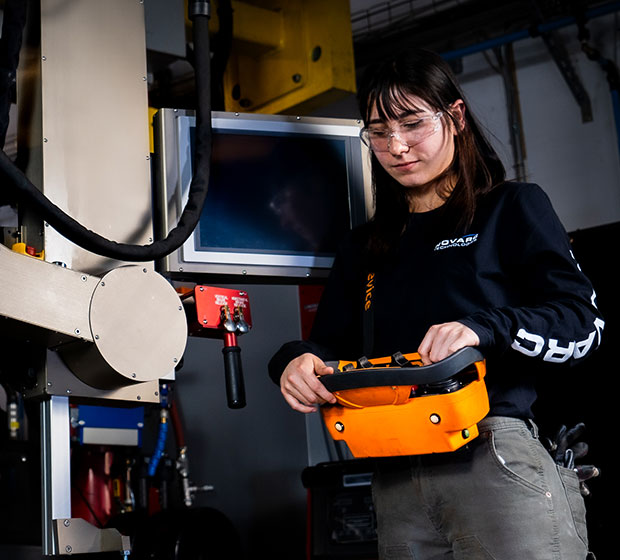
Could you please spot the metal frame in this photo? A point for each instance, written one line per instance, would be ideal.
(84, 128)
(61, 533)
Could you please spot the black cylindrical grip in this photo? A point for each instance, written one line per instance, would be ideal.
(235, 390)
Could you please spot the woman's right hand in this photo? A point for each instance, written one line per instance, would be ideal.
(300, 385)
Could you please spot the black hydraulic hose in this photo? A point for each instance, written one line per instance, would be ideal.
(27, 193)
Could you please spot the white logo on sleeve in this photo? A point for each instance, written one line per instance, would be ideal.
(534, 345)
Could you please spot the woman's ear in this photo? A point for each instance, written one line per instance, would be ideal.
(458, 112)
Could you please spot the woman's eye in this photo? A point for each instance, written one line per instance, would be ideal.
(412, 124)
(377, 133)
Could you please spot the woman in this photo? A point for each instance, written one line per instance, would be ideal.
(461, 258)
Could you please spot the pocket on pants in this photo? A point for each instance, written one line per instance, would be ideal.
(518, 455)
(577, 506)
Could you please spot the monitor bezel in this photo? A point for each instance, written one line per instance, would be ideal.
(173, 176)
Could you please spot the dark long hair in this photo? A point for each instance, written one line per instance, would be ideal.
(475, 169)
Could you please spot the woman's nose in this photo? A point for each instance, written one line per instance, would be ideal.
(396, 145)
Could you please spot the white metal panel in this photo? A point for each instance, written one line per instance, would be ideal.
(95, 140)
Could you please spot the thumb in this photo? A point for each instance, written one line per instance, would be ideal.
(321, 369)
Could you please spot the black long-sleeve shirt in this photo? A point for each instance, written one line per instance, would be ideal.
(512, 279)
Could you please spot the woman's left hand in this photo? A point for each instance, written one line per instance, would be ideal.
(445, 339)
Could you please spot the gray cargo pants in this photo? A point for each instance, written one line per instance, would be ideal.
(501, 498)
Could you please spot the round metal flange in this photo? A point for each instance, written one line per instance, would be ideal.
(137, 323)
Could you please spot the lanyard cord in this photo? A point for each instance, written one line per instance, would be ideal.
(369, 284)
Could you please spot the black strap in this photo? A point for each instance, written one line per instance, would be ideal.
(368, 327)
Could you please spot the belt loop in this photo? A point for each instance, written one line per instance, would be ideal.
(533, 427)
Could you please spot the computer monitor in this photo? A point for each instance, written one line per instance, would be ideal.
(282, 193)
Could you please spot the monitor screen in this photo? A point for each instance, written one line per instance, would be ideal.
(282, 193)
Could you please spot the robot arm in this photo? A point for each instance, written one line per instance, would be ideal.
(125, 327)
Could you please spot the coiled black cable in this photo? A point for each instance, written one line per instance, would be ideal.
(27, 193)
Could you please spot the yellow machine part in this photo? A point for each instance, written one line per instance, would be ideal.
(152, 111)
(288, 56)
(386, 421)
(22, 248)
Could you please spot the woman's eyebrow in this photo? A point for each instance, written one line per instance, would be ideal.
(410, 113)
(401, 116)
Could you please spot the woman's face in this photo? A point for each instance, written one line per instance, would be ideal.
(417, 165)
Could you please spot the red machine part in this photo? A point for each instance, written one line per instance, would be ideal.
(222, 312)
(91, 493)
(309, 297)
(222, 309)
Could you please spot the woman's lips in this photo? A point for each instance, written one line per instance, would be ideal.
(405, 166)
